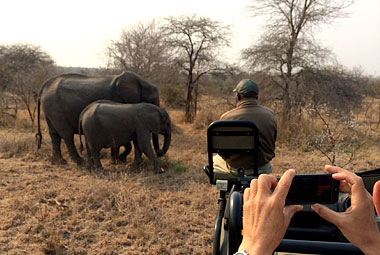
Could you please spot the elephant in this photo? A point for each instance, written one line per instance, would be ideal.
(107, 124)
(63, 98)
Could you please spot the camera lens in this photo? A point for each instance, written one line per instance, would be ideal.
(347, 202)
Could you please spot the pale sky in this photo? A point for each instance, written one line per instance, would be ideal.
(75, 32)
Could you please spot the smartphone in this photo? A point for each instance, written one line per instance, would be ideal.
(313, 188)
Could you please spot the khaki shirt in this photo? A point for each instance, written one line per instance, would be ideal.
(248, 109)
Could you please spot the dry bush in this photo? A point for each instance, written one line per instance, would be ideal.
(18, 121)
(370, 114)
(7, 121)
(210, 110)
(172, 96)
(338, 138)
(175, 166)
(17, 138)
(8, 109)
(206, 116)
(16, 143)
(297, 133)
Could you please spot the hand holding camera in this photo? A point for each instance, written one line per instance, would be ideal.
(265, 219)
(358, 222)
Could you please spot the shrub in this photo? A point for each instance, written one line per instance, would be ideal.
(298, 133)
(208, 114)
(18, 143)
(172, 95)
(175, 166)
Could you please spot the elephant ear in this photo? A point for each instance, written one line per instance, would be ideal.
(127, 86)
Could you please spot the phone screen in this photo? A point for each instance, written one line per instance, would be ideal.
(310, 189)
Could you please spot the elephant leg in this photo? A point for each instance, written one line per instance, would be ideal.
(145, 145)
(123, 156)
(56, 145)
(69, 141)
(96, 158)
(90, 160)
(114, 154)
(138, 154)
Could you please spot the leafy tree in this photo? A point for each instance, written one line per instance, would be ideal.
(288, 46)
(23, 68)
(196, 42)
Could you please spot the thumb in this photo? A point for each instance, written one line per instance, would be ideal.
(289, 212)
(326, 213)
(376, 196)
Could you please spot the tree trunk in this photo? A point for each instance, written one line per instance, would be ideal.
(195, 104)
(189, 100)
(286, 108)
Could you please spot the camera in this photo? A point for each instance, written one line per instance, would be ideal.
(313, 188)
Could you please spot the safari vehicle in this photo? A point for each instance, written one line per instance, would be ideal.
(307, 233)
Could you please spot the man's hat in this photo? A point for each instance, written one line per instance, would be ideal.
(245, 86)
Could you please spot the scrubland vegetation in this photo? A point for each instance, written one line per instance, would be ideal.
(50, 209)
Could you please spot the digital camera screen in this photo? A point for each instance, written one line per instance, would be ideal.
(308, 189)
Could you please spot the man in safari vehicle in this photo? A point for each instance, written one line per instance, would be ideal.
(247, 108)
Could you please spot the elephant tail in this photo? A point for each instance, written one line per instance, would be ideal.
(44, 86)
(38, 134)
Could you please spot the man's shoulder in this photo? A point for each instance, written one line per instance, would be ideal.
(264, 108)
(238, 112)
(227, 115)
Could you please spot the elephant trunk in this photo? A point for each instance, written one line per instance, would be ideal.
(155, 143)
(167, 139)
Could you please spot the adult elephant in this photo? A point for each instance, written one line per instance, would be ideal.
(65, 96)
(108, 124)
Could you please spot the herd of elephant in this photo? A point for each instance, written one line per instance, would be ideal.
(110, 111)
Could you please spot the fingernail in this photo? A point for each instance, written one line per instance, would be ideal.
(315, 207)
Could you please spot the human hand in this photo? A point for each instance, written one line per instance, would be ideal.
(265, 219)
(376, 197)
(358, 222)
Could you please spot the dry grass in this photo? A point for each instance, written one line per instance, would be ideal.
(48, 209)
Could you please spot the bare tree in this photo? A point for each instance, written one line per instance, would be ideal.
(288, 45)
(196, 41)
(24, 67)
(140, 49)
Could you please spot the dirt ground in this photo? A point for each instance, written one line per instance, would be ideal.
(50, 209)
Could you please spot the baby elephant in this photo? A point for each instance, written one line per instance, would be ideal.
(107, 124)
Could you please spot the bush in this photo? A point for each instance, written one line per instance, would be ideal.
(172, 95)
(206, 115)
(14, 144)
(175, 166)
(298, 133)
